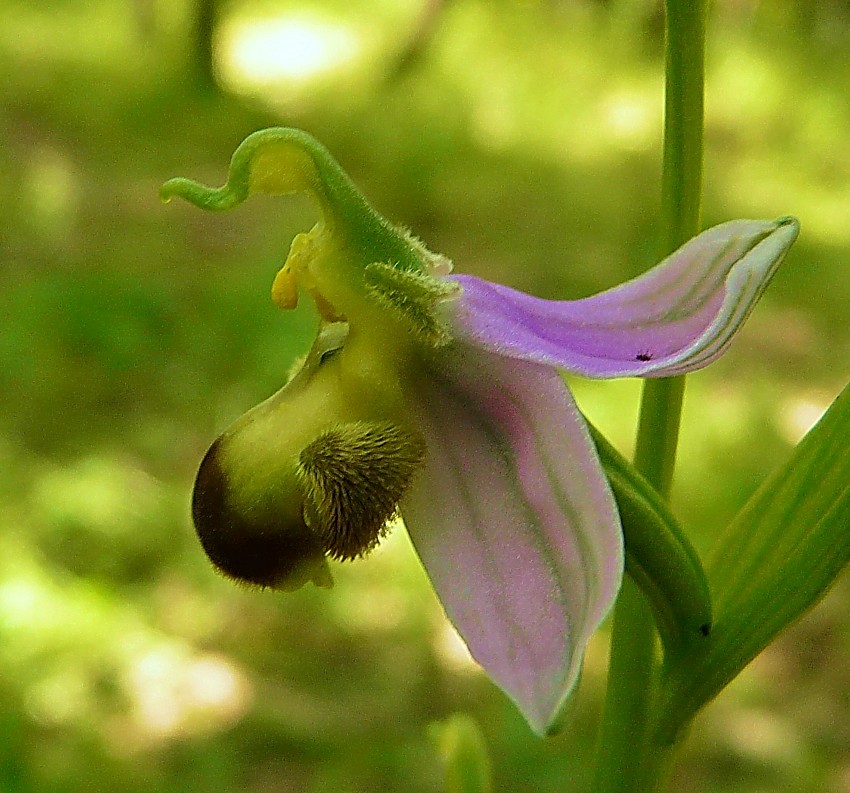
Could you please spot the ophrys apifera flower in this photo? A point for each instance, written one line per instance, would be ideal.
(439, 397)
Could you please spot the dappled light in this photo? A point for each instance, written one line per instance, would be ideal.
(799, 414)
(288, 50)
(522, 140)
(174, 694)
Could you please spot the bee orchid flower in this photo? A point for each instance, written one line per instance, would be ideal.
(439, 398)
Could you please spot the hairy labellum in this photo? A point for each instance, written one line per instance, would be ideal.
(354, 476)
(336, 500)
(256, 546)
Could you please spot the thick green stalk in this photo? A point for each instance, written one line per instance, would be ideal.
(630, 760)
(621, 757)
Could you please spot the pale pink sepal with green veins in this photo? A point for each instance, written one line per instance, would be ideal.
(513, 521)
(676, 318)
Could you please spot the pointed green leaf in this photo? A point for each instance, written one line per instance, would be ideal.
(776, 560)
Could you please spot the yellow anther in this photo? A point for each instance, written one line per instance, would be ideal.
(293, 273)
(285, 289)
(296, 273)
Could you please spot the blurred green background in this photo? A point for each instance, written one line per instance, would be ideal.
(519, 137)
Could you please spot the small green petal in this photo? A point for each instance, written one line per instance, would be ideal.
(413, 297)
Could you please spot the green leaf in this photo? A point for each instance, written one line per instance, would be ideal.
(464, 752)
(777, 558)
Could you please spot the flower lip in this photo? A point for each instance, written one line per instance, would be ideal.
(353, 476)
(266, 553)
(287, 484)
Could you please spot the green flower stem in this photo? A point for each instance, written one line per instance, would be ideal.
(658, 430)
(630, 760)
(622, 755)
(683, 121)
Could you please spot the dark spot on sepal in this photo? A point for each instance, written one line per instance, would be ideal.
(705, 630)
(643, 356)
(251, 551)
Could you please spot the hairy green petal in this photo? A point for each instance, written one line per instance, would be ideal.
(413, 297)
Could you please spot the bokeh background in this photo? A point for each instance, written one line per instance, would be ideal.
(521, 138)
